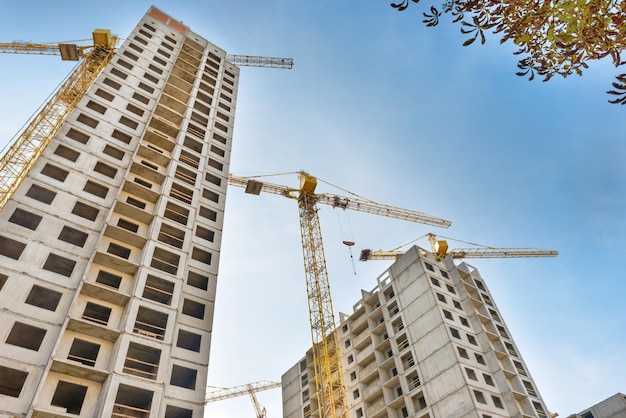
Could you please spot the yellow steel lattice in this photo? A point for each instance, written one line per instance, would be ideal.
(30, 144)
(326, 352)
(326, 355)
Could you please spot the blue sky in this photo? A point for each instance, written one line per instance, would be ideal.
(404, 115)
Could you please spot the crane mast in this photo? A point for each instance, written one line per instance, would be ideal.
(326, 355)
(326, 352)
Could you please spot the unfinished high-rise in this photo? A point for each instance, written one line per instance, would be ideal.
(428, 342)
(109, 248)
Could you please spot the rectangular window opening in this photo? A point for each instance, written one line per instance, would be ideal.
(73, 236)
(85, 211)
(44, 298)
(201, 255)
(26, 336)
(12, 381)
(60, 265)
(26, 219)
(105, 169)
(55, 172)
(77, 136)
(189, 340)
(118, 154)
(193, 308)
(197, 280)
(96, 189)
(67, 153)
(41, 194)
(183, 377)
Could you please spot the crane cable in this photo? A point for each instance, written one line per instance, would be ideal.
(441, 236)
(348, 243)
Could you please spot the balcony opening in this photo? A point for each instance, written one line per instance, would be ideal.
(176, 213)
(172, 236)
(69, 396)
(84, 352)
(165, 261)
(158, 290)
(97, 313)
(150, 323)
(119, 250)
(142, 361)
(132, 402)
(109, 279)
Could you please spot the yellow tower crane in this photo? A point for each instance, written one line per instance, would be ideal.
(247, 389)
(32, 141)
(24, 151)
(440, 250)
(326, 355)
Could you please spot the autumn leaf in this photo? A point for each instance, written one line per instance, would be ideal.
(553, 36)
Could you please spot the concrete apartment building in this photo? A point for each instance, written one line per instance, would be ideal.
(109, 249)
(429, 342)
(613, 407)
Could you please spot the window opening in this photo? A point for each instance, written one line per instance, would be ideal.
(12, 381)
(26, 336)
(73, 236)
(44, 298)
(60, 265)
(41, 194)
(183, 377)
(26, 219)
(189, 340)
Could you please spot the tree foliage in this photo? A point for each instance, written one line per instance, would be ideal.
(553, 36)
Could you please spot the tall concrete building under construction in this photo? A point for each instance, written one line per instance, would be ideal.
(109, 248)
(429, 342)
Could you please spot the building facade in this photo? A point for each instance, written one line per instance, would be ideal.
(613, 407)
(109, 249)
(428, 341)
